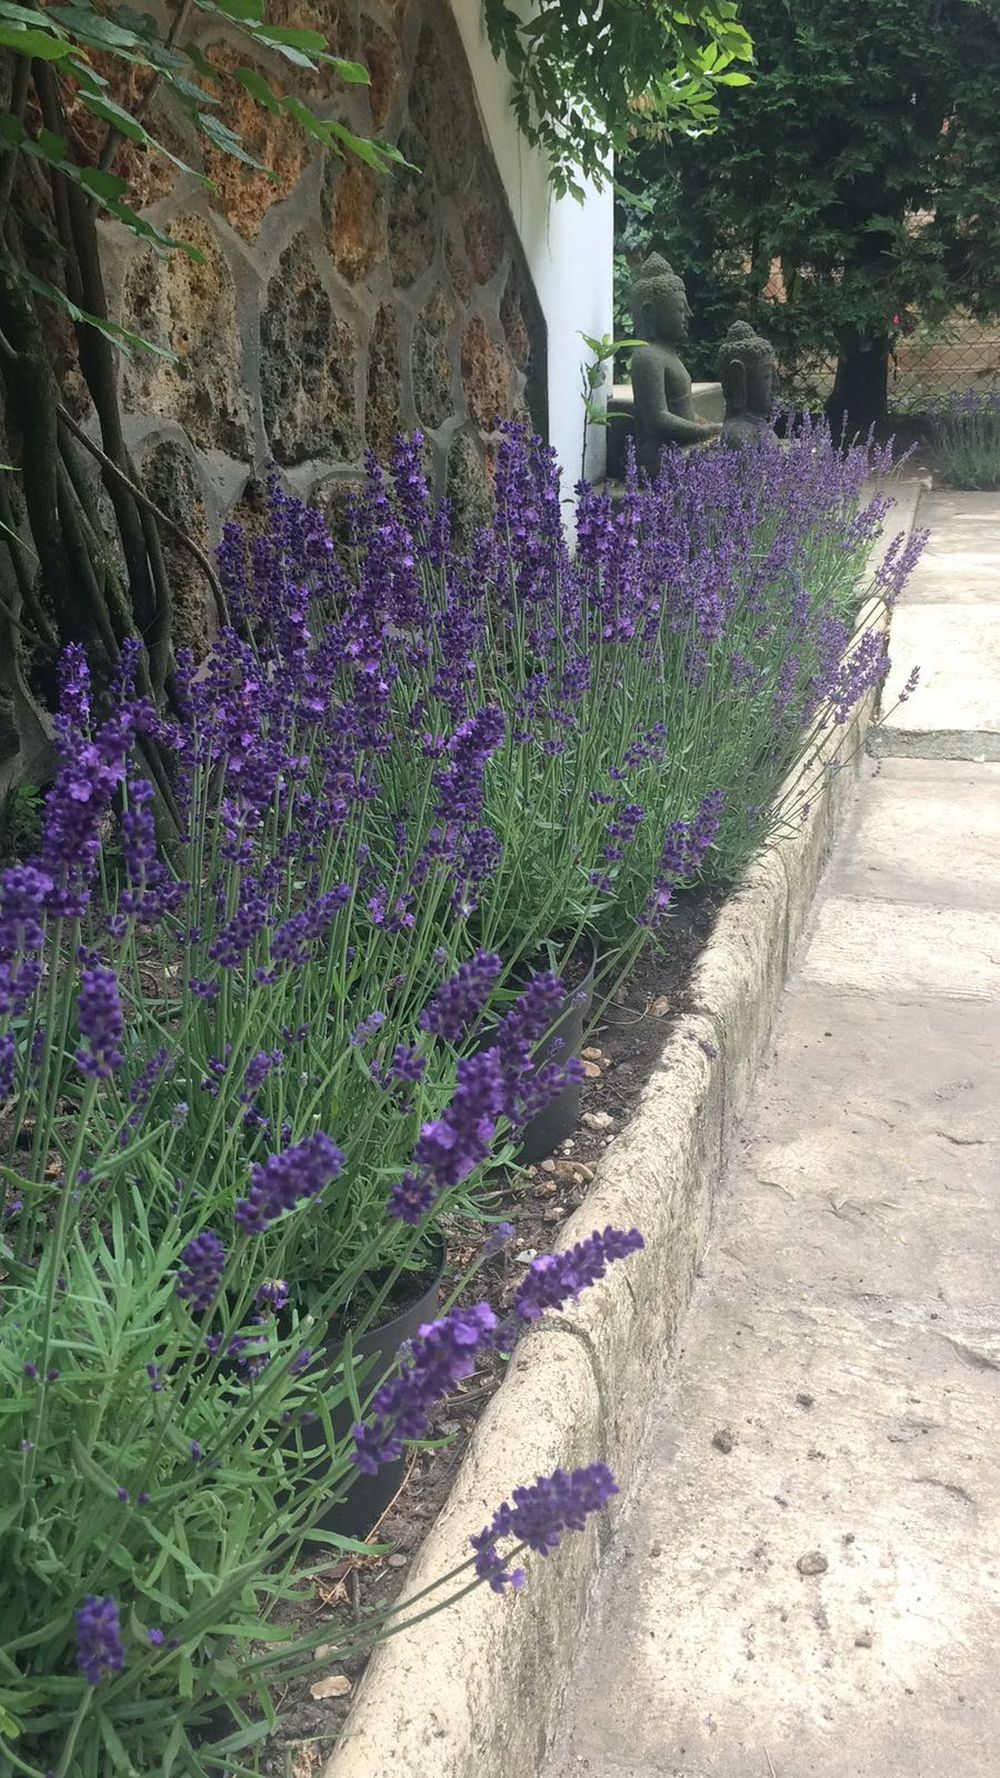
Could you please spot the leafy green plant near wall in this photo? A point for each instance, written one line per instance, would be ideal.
(588, 78)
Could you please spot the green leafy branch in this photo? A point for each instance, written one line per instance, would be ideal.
(589, 78)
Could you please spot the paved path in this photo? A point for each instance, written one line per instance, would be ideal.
(806, 1583)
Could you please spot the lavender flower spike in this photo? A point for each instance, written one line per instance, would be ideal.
(101, 1022)
(99, 1648)
(554, 1278)
(461, 998)
(443, 1353)
(204, 1261)
(538, 1516)
(286, 1180)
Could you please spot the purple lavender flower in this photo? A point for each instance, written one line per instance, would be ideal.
(8, 1064)
(538, 1516)
(367, 1029)
(443, 1353)
(284, 1181)
(204, 1261)
(100, 1651)
(554, 1278)
(460, 1000)
(101, 1023)
(499, 1237)
(273, 1295)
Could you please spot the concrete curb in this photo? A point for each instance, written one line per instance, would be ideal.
(474, 1692)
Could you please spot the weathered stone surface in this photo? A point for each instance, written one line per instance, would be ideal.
(354, 210)
(459, 269)
(190, 309)
(413, 218)
(171, 479)
(431, 362)
(514, 320)
(468, 485)
(382, 412)
(381, 55)
(428, 258)
(441, 108)
(486, 375)
(484, 231)
(243, 195)
(307, 367)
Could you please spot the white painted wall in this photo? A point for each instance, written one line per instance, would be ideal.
(568, 247)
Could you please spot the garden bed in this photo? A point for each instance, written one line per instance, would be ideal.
(408, 785)
(625, 1046)
(479, 1701)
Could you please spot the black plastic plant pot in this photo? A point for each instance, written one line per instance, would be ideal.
(361, 1508)
(559, 1118)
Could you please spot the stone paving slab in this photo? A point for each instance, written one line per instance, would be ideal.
(957, 648)
(870, 1165)
(905, 948)
(963, 550)
(856, 1447)
(925, 831)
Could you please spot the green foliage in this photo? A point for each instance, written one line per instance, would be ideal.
(587, 78)
(966, 435)
(593, 377)
(865, 157)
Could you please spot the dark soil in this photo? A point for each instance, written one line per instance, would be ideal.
(620, 1053)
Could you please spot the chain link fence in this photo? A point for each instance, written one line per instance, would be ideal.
(929, 365)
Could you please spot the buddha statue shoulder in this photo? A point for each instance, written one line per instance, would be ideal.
(746, 370)
(661, 386)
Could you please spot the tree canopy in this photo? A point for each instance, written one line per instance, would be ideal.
(865, 157)
(589, 77)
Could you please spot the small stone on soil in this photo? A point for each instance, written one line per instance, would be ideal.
(336, 1686)
(398, 1560)
(592, 1055)
(863, 1639)
(804, 1400)
(548, 1166)
(591, 1071)
(813, 1562)
(724, 1440)
(597, 1120)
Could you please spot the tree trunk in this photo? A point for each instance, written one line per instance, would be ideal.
(860, 398)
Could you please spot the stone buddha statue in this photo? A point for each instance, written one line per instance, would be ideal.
(746, 371)
(661, 386)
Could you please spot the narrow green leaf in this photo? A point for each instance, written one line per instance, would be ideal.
(250, 12)
(27, 42)
(105, 185)
(117, 116)
(254, 83)
(229, 142)
(351, 73)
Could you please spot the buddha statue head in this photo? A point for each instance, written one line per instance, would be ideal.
(660, 309)
(746, 367)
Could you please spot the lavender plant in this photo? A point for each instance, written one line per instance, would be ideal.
(160, 1478)
(249, 1059)
(965, 432)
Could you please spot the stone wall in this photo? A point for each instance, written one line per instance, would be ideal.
(334, 307)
